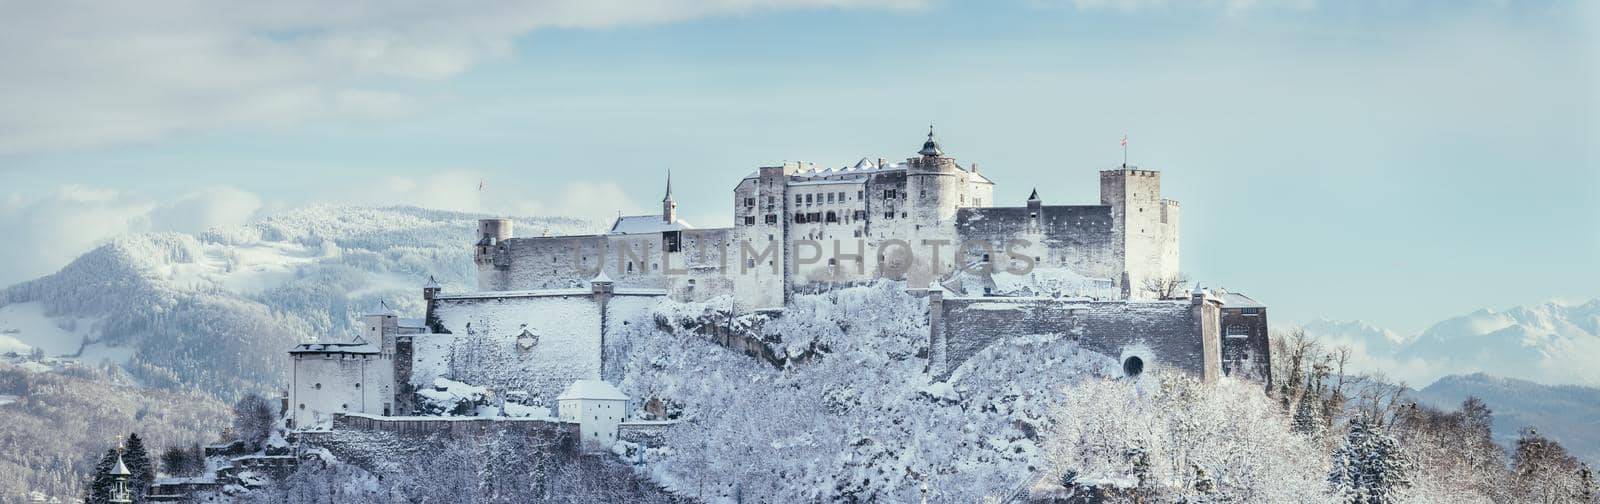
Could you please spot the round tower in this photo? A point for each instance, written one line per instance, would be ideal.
(490, 233)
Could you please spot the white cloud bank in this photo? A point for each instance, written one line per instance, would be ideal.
(83, 74)
(45, 233)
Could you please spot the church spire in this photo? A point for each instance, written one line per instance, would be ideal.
(669, 208)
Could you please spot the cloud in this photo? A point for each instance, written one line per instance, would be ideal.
(458, 190)
(47, 232)
(85, 74)
(1225, 6)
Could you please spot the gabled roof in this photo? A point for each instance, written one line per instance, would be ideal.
(646, 224)
(592, 389)
(360, 347)
(1237, 300)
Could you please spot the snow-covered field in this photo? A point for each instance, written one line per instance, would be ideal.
(26, 326)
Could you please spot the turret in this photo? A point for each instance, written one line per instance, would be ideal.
(119, 482)
(491, 232)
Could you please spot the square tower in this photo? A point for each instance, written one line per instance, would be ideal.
(1144, 225)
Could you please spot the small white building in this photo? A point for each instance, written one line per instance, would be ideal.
(347, 377)
(597, 407)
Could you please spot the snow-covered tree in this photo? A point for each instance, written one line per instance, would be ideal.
(1370, 468)
(142, 471)
(253, 420)
(1542, 471)
(1175, 439)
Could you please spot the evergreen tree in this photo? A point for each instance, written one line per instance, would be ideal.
(138, 462)
(97, 490)
(1305, 414)
(1370, 468)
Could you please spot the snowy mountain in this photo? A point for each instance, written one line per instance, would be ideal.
(1569, 414)
(1549, 343)
(204, 309)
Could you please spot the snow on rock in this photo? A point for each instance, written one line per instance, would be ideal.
(942, 391)
(450, 397)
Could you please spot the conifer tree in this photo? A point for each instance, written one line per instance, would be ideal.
(1305, 414)
(97, 490)
(1370, 468)
(138, 461)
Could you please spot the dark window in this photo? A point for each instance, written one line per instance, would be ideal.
(888, 215)
(750, 220)
(749, 202)
(888, 194)
(831, 218)
(771, 218)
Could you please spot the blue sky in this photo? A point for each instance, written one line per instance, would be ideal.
(1396, 162)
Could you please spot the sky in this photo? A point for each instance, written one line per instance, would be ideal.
(1398, 162)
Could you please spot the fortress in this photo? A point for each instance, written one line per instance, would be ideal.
(799, 228)
(552, 311)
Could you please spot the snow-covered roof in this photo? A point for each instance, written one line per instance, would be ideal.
(361, 347)
(121, 469)
(601, 277)
(412, 323)
(1237, 300)
(592, 389)
(646, 224)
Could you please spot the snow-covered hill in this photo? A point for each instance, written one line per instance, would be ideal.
(1569, 414)
(210, 309)
(1550, 343)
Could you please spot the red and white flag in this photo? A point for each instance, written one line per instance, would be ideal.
(1124, 139)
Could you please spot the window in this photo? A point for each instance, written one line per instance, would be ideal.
(841, 196)
(888, 194)
(302, 406)
(358, 385)
(1237, 331)
(888, 215)
(830, 197)
(750, 220)
(861, 194)
(771, 218)
(808, 199)
(796, 199)
(831, 218)
(317, 387)
(799, 218)
(749, 202)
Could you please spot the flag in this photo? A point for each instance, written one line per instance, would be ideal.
(480, 181)
(1124, 139)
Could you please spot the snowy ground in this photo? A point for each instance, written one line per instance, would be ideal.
(25, 326)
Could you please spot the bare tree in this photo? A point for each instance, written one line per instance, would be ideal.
(253, 418)
(1166, 286)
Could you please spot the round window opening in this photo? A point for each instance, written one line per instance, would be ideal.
(1133, 366)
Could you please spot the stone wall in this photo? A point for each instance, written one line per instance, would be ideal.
(1078, 238)
(1179, 334)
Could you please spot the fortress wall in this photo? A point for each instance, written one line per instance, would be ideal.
(1079, 238)
(1164, 334)
(568, 349)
